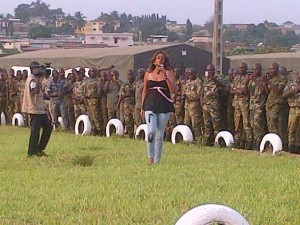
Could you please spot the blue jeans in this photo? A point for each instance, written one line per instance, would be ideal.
(156, 124)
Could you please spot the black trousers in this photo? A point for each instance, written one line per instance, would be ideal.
(36, 143)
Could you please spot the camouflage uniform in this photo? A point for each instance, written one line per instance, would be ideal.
(69, 100)
(112, 89)
(138, 87)
(3, 96)
(274, 104)
(179, 102)
(21, 90)
(241, 111)
(193, 112)
(79, 99)
(257, 109)
(128, 103)
(13, 99)
(225, 104)
(211, 108)
(103, 103)
(294, 115)
(59, 104)
(94, 108)
(45, 83)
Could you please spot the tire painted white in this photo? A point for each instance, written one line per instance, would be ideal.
(87, 126)
(275, 141)
(3, 118)
(142, 127)
(211, 214)
(61, 121)
(227, 136)
(185, 131)
(117, 124)
(18, 120)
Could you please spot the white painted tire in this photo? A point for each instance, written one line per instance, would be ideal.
(18, 120)
(185, 131)
(87, 126)
(117, 124)
(275, 141)
(61, 122)
(227, 136)
(3, 118)
(212, 214)
(142, 127)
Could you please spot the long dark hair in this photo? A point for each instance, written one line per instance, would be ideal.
(167, 65)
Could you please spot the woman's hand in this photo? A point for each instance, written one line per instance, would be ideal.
(142, 113)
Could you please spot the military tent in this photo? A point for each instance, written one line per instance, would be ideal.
(123, 58)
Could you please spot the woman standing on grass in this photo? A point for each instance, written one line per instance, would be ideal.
(159, 86)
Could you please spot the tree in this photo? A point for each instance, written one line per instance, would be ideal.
(66, 28)
(108, 28)
(39, 31)
(189, 30)
(79, 20)
(22, 12)
(209, 25)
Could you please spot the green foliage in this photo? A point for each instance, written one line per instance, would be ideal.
(119, 188)
(39, 31)
(66, 28)
(108, 28)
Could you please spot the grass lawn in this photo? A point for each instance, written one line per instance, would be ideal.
(97, 180)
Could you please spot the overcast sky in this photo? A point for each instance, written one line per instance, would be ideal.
(198, 11)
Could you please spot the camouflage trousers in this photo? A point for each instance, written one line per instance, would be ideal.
(13, 107)
(242, 123)
(179, 113)
(293, 126)
(137, 117)
(272, 114)
(103, 103)
(258, 123)
(71, 114)
(194, 118)
(212, 119)
(95, 114)
(79, 109)
(60, 108)
(230, 115)
(49, 110)
(113, 113)
(3, 104)
(129, 119)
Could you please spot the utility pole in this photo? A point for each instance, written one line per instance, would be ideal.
(218, 36)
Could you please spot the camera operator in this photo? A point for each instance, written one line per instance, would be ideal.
(34, 105)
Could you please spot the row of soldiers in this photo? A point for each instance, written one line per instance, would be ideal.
(249, 104)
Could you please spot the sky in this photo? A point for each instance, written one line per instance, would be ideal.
(198, 11)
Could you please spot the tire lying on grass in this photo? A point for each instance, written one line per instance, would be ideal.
(3, 118)
(212, 214)
(114, 126)
(274, 140)
(83, 120)
(142, 132)
(18, 120)
(227, 137)
(184, 131)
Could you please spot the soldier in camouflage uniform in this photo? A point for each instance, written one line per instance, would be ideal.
(127, 96)
(21, 90)
(79, 98)
(211, 105)
(239, 88)
(276, 84)
(12, 93)
(56, 90)
(45, 81)
(258, 96)
(93, 102)
(103, 97)
(3, 93)
(193, 112)
(284, 114)
(292, 93)
(138, 89)
(230, 108)
(112, 88)
(71, 79)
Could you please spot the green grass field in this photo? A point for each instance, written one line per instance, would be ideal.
(97, 180)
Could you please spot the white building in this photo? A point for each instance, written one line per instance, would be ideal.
(110, 39)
